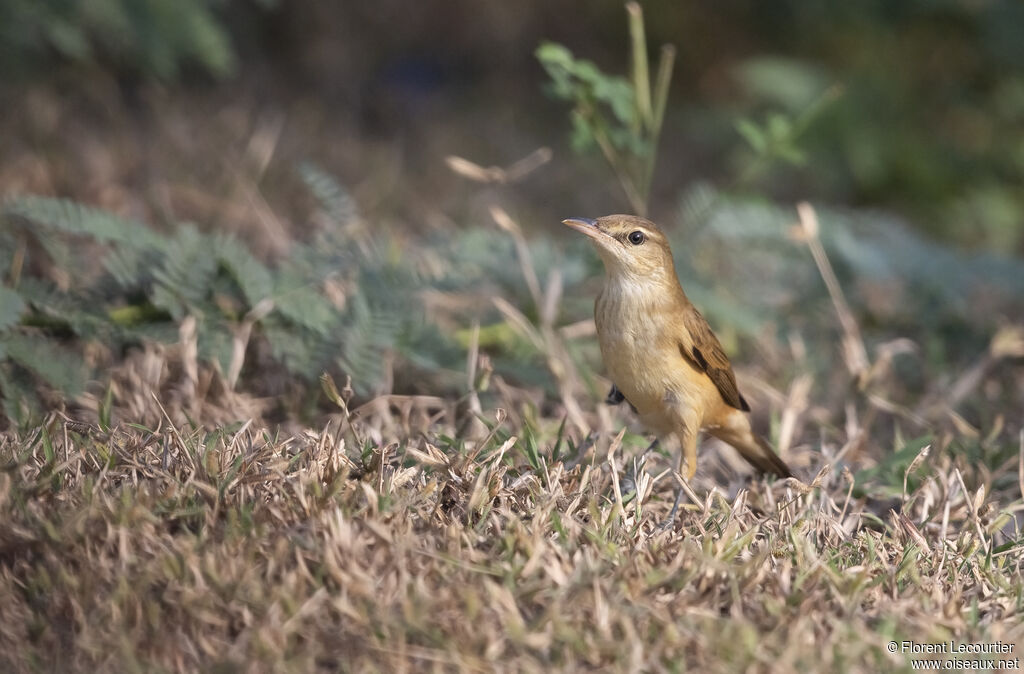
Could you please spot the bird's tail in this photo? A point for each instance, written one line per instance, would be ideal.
(757, 452)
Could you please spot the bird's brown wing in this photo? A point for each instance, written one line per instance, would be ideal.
(705, 352)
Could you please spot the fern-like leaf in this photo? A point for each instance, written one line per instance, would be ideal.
(335, 200)
(253, 278)
(72, 218)
(12, 306)
(58, 367)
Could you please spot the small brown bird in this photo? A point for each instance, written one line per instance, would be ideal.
(660, 352)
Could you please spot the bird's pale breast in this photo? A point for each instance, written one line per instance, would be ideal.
(636, 330)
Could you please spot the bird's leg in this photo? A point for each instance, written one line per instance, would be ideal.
(671, 519)
(688, 451)
(687, 434)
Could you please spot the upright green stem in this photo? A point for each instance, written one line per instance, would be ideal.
(641, 78)
(637, 199)
(661, 86)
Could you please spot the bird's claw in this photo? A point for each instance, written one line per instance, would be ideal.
(671, 519)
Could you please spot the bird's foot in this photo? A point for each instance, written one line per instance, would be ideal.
(671, 519)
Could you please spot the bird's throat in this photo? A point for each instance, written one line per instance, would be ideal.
(626, 297)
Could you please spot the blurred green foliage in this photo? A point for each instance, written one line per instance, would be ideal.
(352, 303)
(777, 138)
(622, 117)
(898, 282)
(147, 38)
(931, 121)
(337, 303)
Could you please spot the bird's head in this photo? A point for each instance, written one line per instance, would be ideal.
(630, 246)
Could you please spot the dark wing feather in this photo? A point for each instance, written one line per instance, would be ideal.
(615, 396)
(707, 354)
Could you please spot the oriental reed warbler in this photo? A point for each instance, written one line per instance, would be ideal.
(660, 352)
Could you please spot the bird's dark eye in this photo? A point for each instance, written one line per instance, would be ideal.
(636, 238)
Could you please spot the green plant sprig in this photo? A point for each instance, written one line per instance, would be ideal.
(623, 118)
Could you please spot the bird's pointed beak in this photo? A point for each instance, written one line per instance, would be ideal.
(584, 225)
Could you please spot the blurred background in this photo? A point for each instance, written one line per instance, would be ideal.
(278, 123)
(142, 96)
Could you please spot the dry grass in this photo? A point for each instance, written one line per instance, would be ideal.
(361, 548)
(422, 533)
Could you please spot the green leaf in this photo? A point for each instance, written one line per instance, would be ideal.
(105, 408)
(297, 350)
(334, 199)
(57, 366)
(216, 345)
(306, 307)
(752, 133)
(20, 403)
(552, 54)
(588, 72)
(208, 41)
(130, 267)
(790, 83)
(69, 39)
(890, 470)
(164, 298)
(616, 92)
(779, 127)
(73, 218)
(791, 154)
(12, 306)
(252, 277)
(582, 138)
(184, 279)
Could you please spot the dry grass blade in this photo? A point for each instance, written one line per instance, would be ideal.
(620, 511)
(520, 322)
(1020, 465)
(507, 224)
(921, 456)
(854, 352)
(495, 174)
(1008, 342)
(796, 404)
(240, 341)
(544, 337)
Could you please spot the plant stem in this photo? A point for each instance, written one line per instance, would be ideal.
(661, 87)
(637, 199)
(641, 78)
